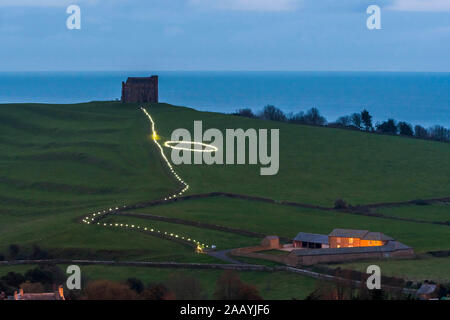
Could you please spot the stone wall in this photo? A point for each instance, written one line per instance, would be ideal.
(196, 224)
(254, 252)
(325, 258)
(174, 265)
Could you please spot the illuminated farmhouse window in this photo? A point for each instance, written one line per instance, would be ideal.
(349, 238)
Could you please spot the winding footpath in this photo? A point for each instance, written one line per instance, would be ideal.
(231, 264)
(169, 165)
(95, 217)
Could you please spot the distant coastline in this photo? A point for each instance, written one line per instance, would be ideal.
(417, 98)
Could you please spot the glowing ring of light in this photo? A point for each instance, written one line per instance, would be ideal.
(169, 144)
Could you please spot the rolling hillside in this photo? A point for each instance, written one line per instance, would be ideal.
(60, 162)
(319, 165)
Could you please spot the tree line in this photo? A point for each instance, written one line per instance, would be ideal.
(362, 121)
(181, 286)
(178, 286)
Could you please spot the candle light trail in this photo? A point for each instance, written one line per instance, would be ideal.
(209, 147)
(97, 216)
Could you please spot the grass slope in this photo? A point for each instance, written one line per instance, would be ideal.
(416, 270)
(58, 162)
(319, 165)
(222, 240)
(439, 212)
(278, 286)
(288, 221)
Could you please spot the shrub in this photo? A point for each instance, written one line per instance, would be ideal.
(366, 119)
(7, 289)
(340, 204)
(13, 279)
(405, 129)
(38, 254)
(421, 202)
(230, 287)
(272, 113)
(356, 120)
(135, 285)
(185, 287)
(13, 251)
(344, 121)
(439, 133)
(420, 132)
(39, 275)
(108, 290)
(388, 126)
(246, 112)
(48, 275)
(312, 117)
(157, 292)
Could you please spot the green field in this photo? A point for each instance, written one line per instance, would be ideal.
(319, 165)
(222, 240)
(61, 162)
(438, 212)
(424, 268)
(287, 221)
(278, 286)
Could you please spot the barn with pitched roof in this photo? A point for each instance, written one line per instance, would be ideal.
(349, 238)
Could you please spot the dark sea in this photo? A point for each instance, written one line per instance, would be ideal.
(418, 98)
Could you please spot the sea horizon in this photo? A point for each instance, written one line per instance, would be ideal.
(421, 98)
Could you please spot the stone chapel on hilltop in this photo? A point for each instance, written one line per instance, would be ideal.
(140, 89)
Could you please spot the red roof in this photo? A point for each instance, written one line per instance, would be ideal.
(39, 296)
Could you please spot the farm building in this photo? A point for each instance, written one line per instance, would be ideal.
(344, 245)
(340, 238)
(392, 249)
(340, 245)
(271, 242)
(310, 240)
(348, 238)
(56, 295)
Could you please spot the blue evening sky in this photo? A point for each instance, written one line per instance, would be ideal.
(225, 35)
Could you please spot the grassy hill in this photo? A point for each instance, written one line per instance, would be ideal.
(319, 165)
(288, 221)
(438, 212)
(60, 162)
